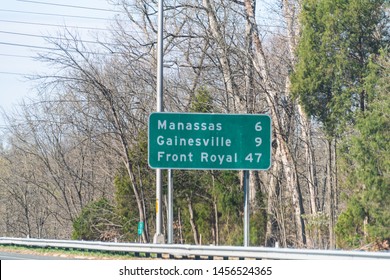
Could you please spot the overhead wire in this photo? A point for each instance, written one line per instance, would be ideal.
(16, 55)
(55, 49)
(53, 25)
(66, 5)
(15, 73)
(55, 38)
(54, 15)
(26, 46)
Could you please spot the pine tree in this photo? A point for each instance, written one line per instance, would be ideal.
(366, 155)
(337, 39)
(96, 222)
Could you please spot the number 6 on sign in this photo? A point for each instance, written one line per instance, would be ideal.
(249, 157)
(258, 127)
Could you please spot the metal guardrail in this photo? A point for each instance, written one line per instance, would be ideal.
(178, 250)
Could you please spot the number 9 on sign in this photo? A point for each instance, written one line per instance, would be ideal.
(258, 141)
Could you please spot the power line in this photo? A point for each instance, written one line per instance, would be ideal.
(15, 73)
(55, 49)
(26, 46)
(29, 35)
(16, 55)
(54, 38)
(69, 6)
(57, 15)
(44, 48)
(53, 25)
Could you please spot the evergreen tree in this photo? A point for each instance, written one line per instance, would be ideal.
(338, 37)
(202, 102)
(126, 207)
(96, 222)
(366, 154)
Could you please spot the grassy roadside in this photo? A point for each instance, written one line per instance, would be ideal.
(71, 253)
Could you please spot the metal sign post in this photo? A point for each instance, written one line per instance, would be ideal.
(246, 209)
(170, 207)
(159, 237)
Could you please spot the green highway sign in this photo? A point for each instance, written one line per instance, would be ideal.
(209, 141)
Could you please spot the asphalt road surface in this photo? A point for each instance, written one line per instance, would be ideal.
(19, 256)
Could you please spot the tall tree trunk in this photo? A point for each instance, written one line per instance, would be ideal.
(223, 57)
(290, 11)
(216, 219)
(290, 172)
(249, 69)
(272, 208)
(330, 197)
(192, 221)
(216, 223)
(130, 171)
(180, 225)
(254, 188)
